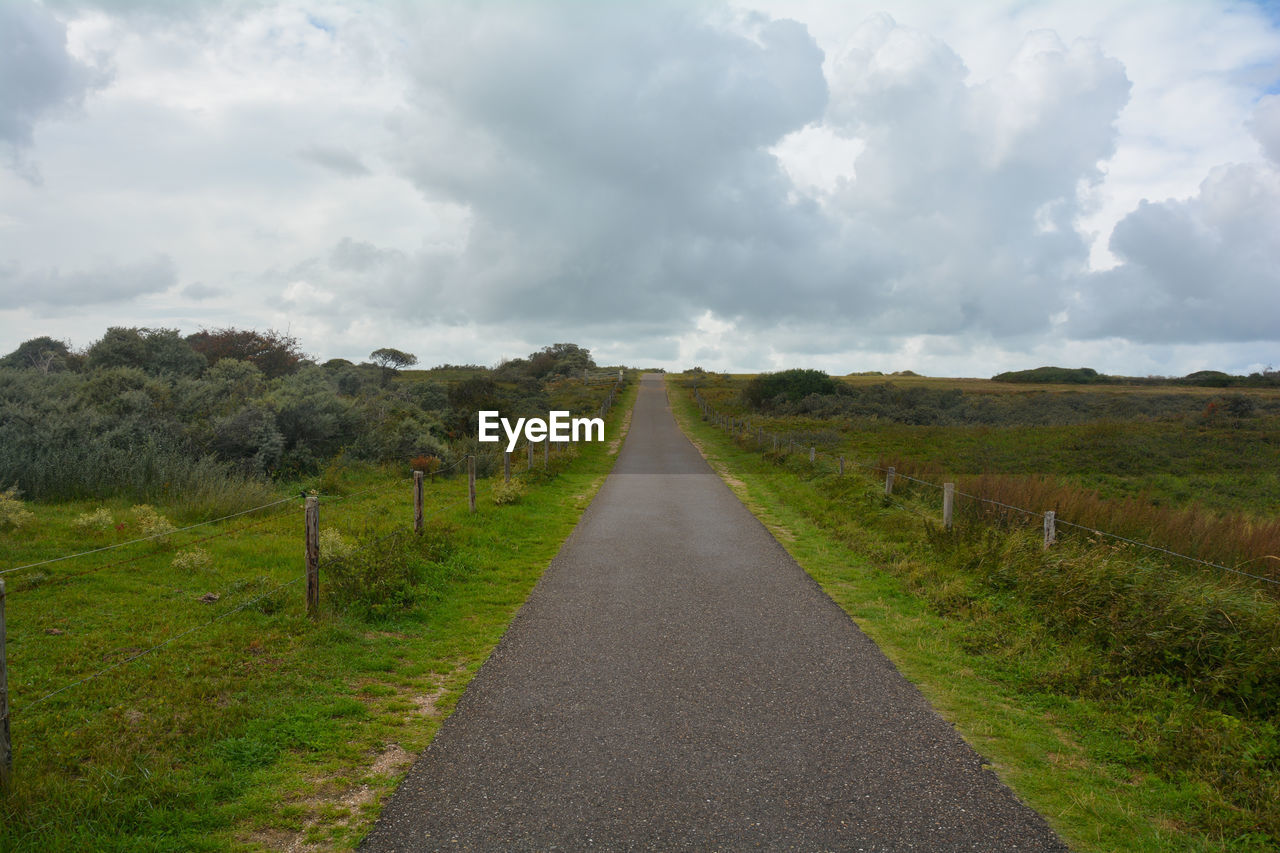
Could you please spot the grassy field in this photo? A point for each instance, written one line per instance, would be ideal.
(1131, 700)
(223, 717)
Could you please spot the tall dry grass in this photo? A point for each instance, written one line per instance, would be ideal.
(1235, 540)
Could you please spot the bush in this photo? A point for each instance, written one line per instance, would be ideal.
(150, 522)
(99, 520)
(12, 511)
(378, 576)
(193, 560)
(769, 389)
(505, 492)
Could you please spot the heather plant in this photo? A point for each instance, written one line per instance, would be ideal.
(150, 522)
(193, 560)
(99, 521)
(508, 492)
(334, 546)
(13, 513)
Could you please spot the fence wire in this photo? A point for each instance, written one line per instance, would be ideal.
(146, 538)
(726, 423)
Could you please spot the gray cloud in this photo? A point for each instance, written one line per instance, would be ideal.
(1196, 270)
(38, 78)
(622, 166)
(336, 159)
(53, 291)
(199, 291)
(1265, 126)
(622, 173)
(614, 158)
(965, 196)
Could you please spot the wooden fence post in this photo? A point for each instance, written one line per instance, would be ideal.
(1050, 528)
(888, 481)
(506, 465)
(842, 466)
(948, 503)
(417, 501)
(6, 745)
(312, 527)
(529, 448)
(471, 482)
(813, 452)
(546, 452)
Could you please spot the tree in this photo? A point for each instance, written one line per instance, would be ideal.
(560, 360)
(271, 352)
(42, 353)
(391, 361)
(157, 351)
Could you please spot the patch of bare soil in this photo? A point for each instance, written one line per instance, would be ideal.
(332, 806)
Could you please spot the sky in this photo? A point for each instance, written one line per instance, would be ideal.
(954, 188)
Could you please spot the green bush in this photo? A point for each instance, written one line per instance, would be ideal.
(378, 576)
(505, 492)
(770, 389)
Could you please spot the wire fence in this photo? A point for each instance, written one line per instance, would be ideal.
(736, 425)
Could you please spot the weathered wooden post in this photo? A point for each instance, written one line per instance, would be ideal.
(842, 466)
(506, 465)
(888, 481)
(546, 452)
(311, 524)
(417, 501)
(529, 447)
(948, 503)
(1050, 528)
(6, 745)
(471, 482)
(813, 452)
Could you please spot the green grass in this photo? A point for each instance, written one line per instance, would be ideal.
(264, 727)
(1117, 750)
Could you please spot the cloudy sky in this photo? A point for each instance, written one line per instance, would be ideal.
(952, 188)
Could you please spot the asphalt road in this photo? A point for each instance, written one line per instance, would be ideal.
(677, 682)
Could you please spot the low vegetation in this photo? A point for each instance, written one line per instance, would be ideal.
(168, 690)
(1132, 697)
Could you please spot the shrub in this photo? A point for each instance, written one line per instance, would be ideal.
(766, 389)
(379, 576)
(193, 560)
(99, 520)
(334, 546)
(150, 522)
(425, 464)
(505, 492)
(13, 513)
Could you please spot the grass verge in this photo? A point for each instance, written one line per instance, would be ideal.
(1115, 758)
(231, 721)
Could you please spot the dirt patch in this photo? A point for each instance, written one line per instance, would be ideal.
(330, 806)
(392, 760)
(283, 841)
(350, 803)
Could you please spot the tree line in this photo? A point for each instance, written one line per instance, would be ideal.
(146, 412)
